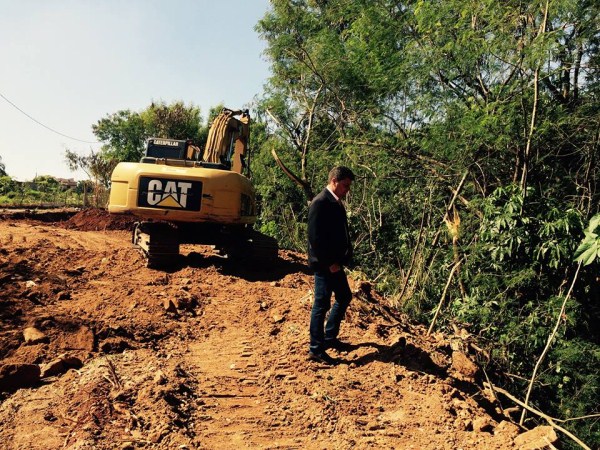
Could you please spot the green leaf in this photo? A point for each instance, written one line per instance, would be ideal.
(587, 252)
(594, 223)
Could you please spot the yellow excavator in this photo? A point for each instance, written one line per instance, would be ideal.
(183, 195)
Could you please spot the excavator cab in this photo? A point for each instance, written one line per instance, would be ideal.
(225, 149)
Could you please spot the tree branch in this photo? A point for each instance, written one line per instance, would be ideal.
(302, 183)
(536, 86)
(549, 419)
(549, 342)
(400, 152)
(437, 311)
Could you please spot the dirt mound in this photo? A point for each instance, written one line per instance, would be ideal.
(95, 219)
(111, 354)
(38, 214)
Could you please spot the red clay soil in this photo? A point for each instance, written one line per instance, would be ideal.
(98, 220)
(99, 352)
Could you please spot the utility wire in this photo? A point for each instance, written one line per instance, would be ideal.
(45, 126)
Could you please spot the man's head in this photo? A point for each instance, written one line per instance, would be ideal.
(340, 179)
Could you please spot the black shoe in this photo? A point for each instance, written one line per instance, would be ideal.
(323, 358)
(338, 345)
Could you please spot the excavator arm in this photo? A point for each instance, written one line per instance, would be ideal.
(228, 139)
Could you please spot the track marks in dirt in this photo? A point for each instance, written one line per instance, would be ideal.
(35, 235)
(230, 372)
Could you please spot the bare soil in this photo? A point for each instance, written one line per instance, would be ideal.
(211, 355)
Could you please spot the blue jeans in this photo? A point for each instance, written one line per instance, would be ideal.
(327, 283)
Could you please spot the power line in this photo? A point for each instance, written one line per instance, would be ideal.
(45, 126)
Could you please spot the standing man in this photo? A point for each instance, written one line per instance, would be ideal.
(329, 250)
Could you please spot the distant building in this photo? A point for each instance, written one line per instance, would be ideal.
(66, 183)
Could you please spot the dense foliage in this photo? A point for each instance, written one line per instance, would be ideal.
(473, 126)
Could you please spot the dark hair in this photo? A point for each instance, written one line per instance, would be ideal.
(341, 173)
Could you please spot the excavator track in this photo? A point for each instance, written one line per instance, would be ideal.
(263, 248)
(157, 242)
(251, 247)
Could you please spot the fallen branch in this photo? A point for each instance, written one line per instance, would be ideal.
(589, 416)
(218, 395)
(437, 311)
(492, 390)
(548, 419)
(550, 339)
(414, 255)
(114, 378)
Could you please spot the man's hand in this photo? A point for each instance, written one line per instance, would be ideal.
(335, 268)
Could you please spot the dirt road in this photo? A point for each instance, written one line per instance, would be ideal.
(100, 352)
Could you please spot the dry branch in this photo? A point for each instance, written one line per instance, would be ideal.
(550, 339)
(414, 255)
(437, 311)
(548, 419)
(536, 87)
(292, 176)
(404, 153)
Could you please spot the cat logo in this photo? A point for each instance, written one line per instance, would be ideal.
(166, 143)
(174, 194)
(170, 194)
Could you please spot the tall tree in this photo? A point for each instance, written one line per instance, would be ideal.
(480, 77)
(175, 121)
(125, 132)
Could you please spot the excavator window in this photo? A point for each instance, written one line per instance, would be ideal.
(165, 148)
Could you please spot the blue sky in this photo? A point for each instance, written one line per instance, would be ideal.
(68, 63)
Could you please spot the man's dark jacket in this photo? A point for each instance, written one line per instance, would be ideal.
(328, 238)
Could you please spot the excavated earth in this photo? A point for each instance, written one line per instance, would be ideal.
(99, 352)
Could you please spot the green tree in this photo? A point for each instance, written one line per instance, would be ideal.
(7, 184)
(124, 133)
(46, 183)
(96, 165)
(175, 121)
